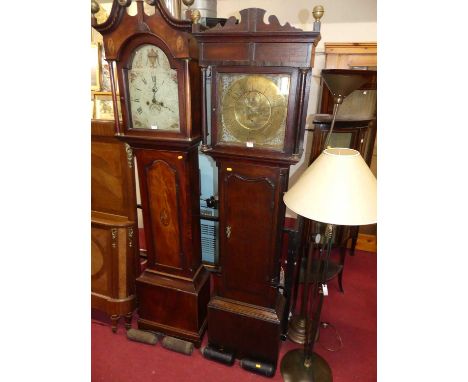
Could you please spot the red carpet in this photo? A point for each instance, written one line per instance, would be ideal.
(354, 315)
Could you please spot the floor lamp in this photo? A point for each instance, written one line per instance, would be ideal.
(338, 188)
(341, 84)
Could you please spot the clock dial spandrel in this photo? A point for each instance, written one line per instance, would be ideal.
(153, 90)
(253, 109)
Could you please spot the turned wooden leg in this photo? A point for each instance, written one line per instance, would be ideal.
(354, 236)
(115, 320)
(342, 261)
(128, 320)
(340, 281)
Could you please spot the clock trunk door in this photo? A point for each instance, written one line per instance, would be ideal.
(248, 233)
(169, 207)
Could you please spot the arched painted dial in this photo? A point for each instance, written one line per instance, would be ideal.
(153, 90)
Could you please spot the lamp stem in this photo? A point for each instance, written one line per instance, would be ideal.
(328, 236)
(307, 280)
(305, 300)
(336, 105)
(320, 279)
(312, 328)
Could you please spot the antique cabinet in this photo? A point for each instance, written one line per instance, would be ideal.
(349, 133)
(356, 128)
(258, 75)
(114, 239)
(358, 110)
(156, 61)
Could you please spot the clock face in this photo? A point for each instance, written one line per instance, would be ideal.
(253, 109)
(153, 91)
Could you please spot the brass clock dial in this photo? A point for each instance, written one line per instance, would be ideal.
(153, 90)
(253, 109)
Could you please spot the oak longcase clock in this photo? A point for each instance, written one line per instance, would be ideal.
(156, 66)
(258, 75)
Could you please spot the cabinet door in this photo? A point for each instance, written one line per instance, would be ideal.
(169, 194)
(112, 257)
(112, 173)
(249, 231)
(101, 260)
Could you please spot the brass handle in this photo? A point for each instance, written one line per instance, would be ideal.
(228, 231)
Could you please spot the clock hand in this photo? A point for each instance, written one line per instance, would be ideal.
(161, 104)
(156, 88)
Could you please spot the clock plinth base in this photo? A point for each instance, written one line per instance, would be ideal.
(174, 306)
(249, 331)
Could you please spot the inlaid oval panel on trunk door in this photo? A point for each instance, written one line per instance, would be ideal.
(162, 180)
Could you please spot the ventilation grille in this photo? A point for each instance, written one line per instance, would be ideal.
(209, 241)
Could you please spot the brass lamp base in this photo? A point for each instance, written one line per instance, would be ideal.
(297, 329)
(294, 370)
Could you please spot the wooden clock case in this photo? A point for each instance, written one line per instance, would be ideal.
(246, 308)
(173, 291)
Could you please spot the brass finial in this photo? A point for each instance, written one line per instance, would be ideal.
(318, 12)
(188, 3)
(188, 11)
(196, 16)
(94, 7)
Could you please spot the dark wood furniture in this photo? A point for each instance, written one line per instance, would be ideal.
(174, 290)
(357, 55)
(350, 115)
(355, 134)
(349, 133)
(291, 272)
(114, 239)
(355, 128)
(254, 142)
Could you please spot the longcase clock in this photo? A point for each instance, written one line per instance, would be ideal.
(259, 74)
(158, 79)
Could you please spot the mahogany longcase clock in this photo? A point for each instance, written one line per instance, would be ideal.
(158, 80)
(258, 75)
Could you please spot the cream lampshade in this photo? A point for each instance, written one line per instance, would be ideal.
(337, 188)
